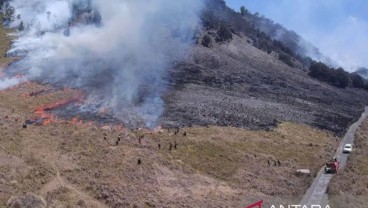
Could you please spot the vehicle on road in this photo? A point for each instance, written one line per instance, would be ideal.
(332, 167)
(348, 148)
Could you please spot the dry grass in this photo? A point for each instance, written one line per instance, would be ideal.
(5, 41)
(350, 188)
(214, 166)
(220, 151)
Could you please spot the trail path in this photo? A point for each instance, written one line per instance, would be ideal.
(58, 181)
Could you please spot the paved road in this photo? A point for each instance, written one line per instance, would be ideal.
(316, 194)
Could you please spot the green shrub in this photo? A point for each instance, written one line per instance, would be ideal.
(209, 20)
(336, 77)
(286, 59)
(224, 33)
(243, 11)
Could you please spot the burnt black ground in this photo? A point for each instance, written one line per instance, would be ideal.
(236, 84)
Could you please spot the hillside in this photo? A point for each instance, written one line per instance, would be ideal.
(235, 83)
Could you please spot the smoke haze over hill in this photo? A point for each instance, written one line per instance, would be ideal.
(337, 27)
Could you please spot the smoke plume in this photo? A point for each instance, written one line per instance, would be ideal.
(338, 28)
(9, 82)
(116, 51)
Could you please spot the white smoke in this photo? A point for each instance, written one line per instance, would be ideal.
(347, 44)
(338, 28)
(9, 82)
(116, 50)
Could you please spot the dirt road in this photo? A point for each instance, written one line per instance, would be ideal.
(316, 194)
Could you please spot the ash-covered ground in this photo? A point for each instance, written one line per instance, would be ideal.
(236, 84)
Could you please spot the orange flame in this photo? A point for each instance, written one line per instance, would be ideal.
(48, 117)
(76, 121)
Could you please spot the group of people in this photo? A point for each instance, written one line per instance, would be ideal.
(275, 163)
(172, 145)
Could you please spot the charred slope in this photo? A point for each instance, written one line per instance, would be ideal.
(237, 83)
(265, 34)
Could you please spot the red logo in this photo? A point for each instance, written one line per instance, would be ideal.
(256, 205)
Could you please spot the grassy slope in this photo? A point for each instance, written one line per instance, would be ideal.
(215, 166)
(5, 40)
(351, 186)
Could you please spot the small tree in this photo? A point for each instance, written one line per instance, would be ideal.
(209, 20)
(206, 41)
(286, 59)
(224, 33)
(342, 78)
(243, 10)
(357, 81)
(21, 26)
(320, 71)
